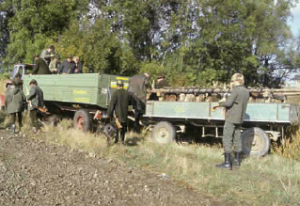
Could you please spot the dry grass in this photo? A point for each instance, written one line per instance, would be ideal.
(291, 146)
(271, 180)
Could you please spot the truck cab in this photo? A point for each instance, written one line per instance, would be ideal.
(22, 69)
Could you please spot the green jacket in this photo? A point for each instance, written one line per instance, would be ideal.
(138, 85)
(14, 100)
(36, 97)
(236, 105)
(40, 67)
(119, 104)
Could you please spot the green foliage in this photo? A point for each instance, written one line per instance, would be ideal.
(4, 76)
(193, 42)
(35, 22)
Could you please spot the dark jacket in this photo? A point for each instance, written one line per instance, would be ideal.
(36, 97)
(163, 83)
(138, 85)
(119, 104)
(66, 67)
(40, 67)
(14, 100)
(77, 67)
(236, 105)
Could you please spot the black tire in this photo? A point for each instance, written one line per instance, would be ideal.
(82, 120)
(255, 142)
(163, 133)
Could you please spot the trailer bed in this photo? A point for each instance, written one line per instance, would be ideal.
(275, 113)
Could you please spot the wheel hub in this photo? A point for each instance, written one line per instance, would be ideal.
(80, 123)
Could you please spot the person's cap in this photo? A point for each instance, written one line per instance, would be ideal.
(33, 81)
(70, 56)
(160, 76)
(51, 47)
(237, 77)
(120, 83)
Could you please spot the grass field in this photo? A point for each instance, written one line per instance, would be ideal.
(272, 180)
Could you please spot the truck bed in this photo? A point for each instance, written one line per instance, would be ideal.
(79, 89)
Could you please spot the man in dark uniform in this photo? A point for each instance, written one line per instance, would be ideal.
(40, 66)
(138, 85)
(161, 82)
(67, 66)
(36, 101)
(236, 107)
(118, 109)
(14, 103)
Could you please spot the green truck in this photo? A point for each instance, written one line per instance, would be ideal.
(78, 95)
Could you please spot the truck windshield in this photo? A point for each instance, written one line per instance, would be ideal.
(21, 69)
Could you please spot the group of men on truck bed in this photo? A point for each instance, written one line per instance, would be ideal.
(135, 95)
(49, 63)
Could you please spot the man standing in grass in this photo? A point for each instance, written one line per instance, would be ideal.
(14, 103)
(118, 109)
(36, 101)
(236, 107)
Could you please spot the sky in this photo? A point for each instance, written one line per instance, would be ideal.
(295, 21)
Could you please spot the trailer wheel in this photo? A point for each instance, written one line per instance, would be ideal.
(255, 142)
(82, 120)
(163, 132)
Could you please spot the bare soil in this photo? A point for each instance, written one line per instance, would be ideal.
(36, 173)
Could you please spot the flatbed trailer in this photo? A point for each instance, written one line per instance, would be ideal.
(262, 122)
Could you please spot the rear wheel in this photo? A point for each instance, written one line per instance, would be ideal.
(82, 120)
(163, 133)
(255, 142)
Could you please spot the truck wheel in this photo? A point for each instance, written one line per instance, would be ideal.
(255, 142)
(82, 120)
(163, 132)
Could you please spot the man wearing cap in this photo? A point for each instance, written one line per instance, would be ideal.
(40, 66)
(138, 85)
(67, 66)
(235, 107)
(118, 109)
(47, 54)
(36, 101)
(161, 82)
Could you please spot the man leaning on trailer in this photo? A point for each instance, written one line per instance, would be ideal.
(235, 107)
(138, 85)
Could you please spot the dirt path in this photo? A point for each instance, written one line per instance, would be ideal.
(34, 173)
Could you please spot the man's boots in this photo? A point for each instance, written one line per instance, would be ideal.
(237, 159)
(227, 163)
